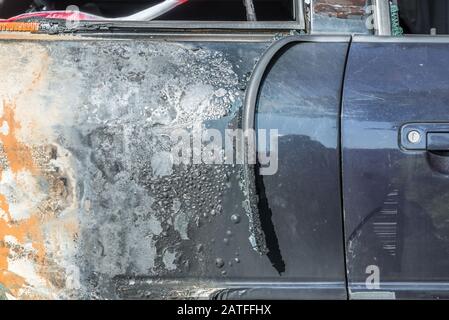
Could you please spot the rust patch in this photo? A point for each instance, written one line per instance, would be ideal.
(19, 26)
(35, 187)
(24, 238)
(19, 158)
(18, 154)
(12, 35)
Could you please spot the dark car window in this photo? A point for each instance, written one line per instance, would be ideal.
(194, 10)
(424, 17)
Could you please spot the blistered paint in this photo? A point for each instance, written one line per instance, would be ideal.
(88, 195)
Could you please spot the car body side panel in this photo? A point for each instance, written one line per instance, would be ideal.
(92, 207)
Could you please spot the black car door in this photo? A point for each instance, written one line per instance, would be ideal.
(395, 164)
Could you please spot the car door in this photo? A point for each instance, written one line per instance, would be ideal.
(395, 167)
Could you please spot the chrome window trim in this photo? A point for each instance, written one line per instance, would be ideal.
(382, 17)
(403, 39)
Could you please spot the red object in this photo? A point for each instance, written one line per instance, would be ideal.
(59, 15)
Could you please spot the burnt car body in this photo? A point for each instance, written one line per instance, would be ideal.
(357, 208)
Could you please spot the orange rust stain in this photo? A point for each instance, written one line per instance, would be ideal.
(19, 158)
(19, 26)
(27, 230)
(18, 155)
(4, 206)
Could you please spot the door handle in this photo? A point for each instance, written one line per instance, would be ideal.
(438, 141)
(432, 137)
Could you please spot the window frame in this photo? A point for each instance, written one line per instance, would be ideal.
(297, 24)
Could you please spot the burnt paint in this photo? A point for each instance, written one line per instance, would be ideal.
(107, 106)
(143, 231)
(266, 215)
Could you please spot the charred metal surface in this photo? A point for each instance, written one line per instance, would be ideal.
(265, 213)
(89, 203)
(91, 206)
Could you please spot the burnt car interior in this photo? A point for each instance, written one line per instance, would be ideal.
(194, 10)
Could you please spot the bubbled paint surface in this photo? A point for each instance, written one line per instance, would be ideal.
(87, 200)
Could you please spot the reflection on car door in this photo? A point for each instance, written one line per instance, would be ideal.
(395, 167)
